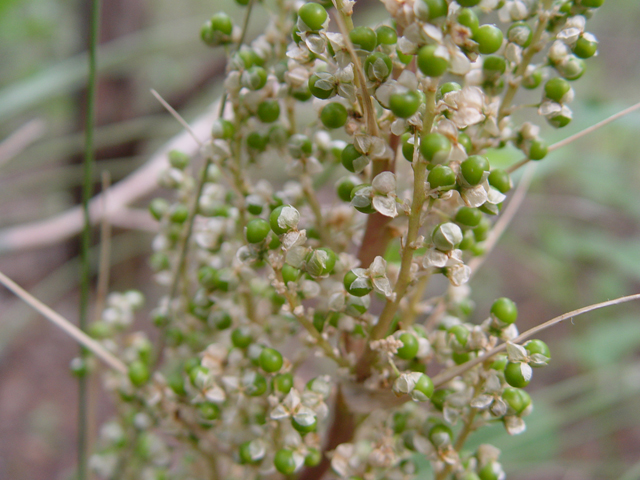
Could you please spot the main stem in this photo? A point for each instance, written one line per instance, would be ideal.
(381, 329)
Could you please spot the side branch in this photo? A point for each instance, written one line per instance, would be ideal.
(450, 374)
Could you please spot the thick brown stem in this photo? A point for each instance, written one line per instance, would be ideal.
(342, 429)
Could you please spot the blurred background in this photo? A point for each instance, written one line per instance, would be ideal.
(575, 241)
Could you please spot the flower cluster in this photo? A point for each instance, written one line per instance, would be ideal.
(292, 308)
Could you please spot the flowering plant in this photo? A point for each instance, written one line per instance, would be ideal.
(295, 336)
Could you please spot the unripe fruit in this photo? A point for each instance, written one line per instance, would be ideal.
(473, 169)
(363, 38)
(313, 15)
(489, 38)
(430, 63)
(435, 148)
(410, 346)
(257, 230)
(505, 310)
(405, 104)
(334, 115)
(270, 360)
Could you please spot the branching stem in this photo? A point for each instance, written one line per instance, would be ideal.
(451, 373)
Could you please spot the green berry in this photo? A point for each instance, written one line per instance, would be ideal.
(533, 80)
(217, 30)
(290, 274)
(405, 104)
(334, 115)
(241, 337)
(410, 346)
(250, 453)
(435, 148)
(491, 471)
(446, 88)
(209, 411)
(434, 9)
(386, 35)
(517, 374)
(430, 63)
(345, 186)
(538, 149)
(482, 231)
(79, 367)
(378, 66)
(368, 208)
(300, 145)
(178, 213)
(540, 348)
(221, 319)
(399, 422)
(348, 155)
(440, 435)
(500, 180)
(592, 3)
(283, 219)
(406, 59)
(257, 385)
(468, 241)
(505, 310)
(468, 3)
(363, 38)
(518, 400)
(571, 68)
(493, 66)
(407, 146)
(520, 33)
(313, 15)
(257, 230)
(313, 458)
(284, 461)
(423, 388)
(304, 428)
(283, 382)
(439, 397)
(559, 120)
(556, 88)
(254, 78)
(322, 93)
(446, 236)
(473, 169)
(460, 333)
(257, 141)
(320, 262)
(586, 46)
(223, 129)
(158, 207)
(465, 141)
(357, 291)
(441, 177)
(269, 111)
(138, 373)
(469, 19)
(270, 360)
(489, 39)
(178, 159)
(469, 217)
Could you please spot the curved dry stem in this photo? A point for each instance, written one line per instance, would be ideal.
(128, 191)
(580, 134)
(451, 373)
(64, 324)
